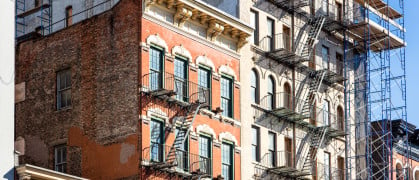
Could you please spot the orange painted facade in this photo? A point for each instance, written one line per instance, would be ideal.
(218, 58)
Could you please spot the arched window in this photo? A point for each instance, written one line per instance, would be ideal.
(416, 175)
(340, 118)
(254, 85)
(399, 172)
(271, 93)
(287, 96)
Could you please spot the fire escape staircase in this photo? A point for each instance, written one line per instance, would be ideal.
(312, 38)
(175, 153)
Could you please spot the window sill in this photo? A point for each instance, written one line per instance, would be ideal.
(64, 109)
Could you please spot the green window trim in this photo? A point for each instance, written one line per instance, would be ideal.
(210, 140)
(184, 60)
(232, 145)
(161, 68)
(209, 79)
(231, 79)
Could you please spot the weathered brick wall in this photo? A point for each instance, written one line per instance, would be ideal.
(102, 54)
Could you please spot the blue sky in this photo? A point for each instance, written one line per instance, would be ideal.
(412, 59)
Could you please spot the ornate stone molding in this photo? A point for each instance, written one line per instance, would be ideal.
(156, 40)
(227, 70)
(203, 128)
(227, 136)
(204, 60)
(181, 50)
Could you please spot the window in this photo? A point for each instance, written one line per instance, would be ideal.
(326, 113)
(156, 140)
(68, 16)
(399, 172)
(340, 118)
(339, 10)
(287, 96)
(60, 158)
(271, 32)
(272, 148)
(227, 161)
(288, 152)
(182, 152)
(325, 57)
(339, 64)
(341, 168)
(327, 166)
(254, 22)
(156, 69)
(205, 154)
(181, 79)
(325, 7)
(204, 82)
(286, 37)
(254, 86)
(271, 93)
(255, 144)
(227, 96)
(63, 89)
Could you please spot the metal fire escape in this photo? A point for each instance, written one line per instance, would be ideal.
(186, 99)
(300, 110)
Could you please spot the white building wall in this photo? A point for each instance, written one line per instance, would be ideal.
(7, 90)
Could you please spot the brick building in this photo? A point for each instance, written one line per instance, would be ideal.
(112, 96)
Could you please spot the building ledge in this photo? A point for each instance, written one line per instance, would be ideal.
(27, 171)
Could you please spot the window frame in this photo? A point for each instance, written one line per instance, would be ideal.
(231, 153)
(274, 150)
(161, 150)
(161, 77)
(231, 99)
(256, 28)
(255, 87)
(208, 70)
(185, 92)
(209, 146)
(63, 150)
(257, 145)
(272, 29)
(67, 87)
(272, 92)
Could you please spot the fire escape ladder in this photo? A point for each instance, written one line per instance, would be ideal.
(184, 124)
(315, 29)
(313, 90)
(310, 149)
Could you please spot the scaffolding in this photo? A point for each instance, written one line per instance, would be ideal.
(42, 12)
(375, 50)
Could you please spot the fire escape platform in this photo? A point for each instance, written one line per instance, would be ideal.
(333, 132)
(285, 56)
(287, 114)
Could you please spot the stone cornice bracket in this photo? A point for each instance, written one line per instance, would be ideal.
(148, 3)
(170, 4)
(242, 40)
(204, 18)
(214, 29)
(227, 29)
(182, 14)
(195, 14)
